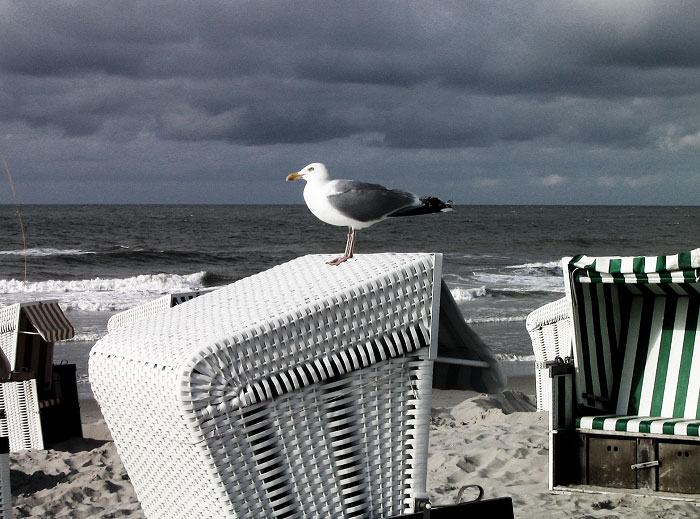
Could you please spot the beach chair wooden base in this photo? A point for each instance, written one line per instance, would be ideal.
(659, 465)
(678, 469)
(638, 462)
(501, 507)
(662, 465)
(5, 489)
(567, 490)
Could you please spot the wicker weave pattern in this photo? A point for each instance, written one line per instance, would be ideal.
(299, 392)
(136, 314)
(140, 407)
(550, 331)
(21, 422)
(329, 447)
(148, 309)
(9, 319)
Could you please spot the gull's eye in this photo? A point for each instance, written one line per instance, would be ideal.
(311, 168)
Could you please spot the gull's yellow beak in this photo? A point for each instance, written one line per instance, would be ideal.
(294, 176)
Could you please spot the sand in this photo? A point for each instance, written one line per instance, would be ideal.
(496, 441)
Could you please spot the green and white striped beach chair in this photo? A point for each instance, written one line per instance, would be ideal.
(627, 414)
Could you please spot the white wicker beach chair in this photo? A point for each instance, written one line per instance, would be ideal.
(150, 308)
(626, 413)
(19, 413)
(28, 331)
(550, 331)
(303, 391)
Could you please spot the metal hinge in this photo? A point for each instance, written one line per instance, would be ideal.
(422, 504)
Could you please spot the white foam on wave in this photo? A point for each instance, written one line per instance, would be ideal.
(468, 294)
(545, 266)
(506, 319)
(512, 357)
(98, 294)
(140, 283)
(45, 251)
(88, 336)
(521, 282)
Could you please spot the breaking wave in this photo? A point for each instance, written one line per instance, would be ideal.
(101, 294)
(468, 294)
(140, 283)
(506, 319)
(45, 251)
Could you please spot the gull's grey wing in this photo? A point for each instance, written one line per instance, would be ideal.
(368, 202)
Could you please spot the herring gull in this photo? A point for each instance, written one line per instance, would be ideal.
(358, 205)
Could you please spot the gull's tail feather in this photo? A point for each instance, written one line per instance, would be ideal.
(428, 204)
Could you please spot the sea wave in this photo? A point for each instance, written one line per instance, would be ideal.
(519, 283)
(505, 319)
(45, 251)
(87, 336)
(512, 357)
(101, 294)
(468, 294)
(140, 283)
(547, 268)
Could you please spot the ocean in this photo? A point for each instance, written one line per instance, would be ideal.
(500, 262)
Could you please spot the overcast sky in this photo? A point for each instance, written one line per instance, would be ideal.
(483, 102)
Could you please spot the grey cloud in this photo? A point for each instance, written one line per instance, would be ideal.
(506, 46)
(384, 78)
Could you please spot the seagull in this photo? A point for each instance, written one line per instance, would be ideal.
(358, 205)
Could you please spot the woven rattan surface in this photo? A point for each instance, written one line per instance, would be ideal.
(302, 391)
(20, 409)
(550, 331)
(9, 320)
(140, 312)
(150, 308)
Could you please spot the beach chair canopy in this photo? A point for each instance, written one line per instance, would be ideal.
(46, 316)
(20, 321)
(637, 342)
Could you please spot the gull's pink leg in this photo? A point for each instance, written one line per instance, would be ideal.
(349, 247)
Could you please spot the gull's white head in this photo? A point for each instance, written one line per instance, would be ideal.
(312, 172)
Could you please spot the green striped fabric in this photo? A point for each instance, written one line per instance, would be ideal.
(640, 424)
(639, 265)
(637, 340)
(599, 312)
(661, 352)
(561, 415)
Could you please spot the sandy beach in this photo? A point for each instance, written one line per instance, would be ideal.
(496, 441)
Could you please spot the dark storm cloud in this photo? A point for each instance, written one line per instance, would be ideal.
(517, 89)
(423, 75)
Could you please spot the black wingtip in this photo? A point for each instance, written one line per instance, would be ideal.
(429, 204)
